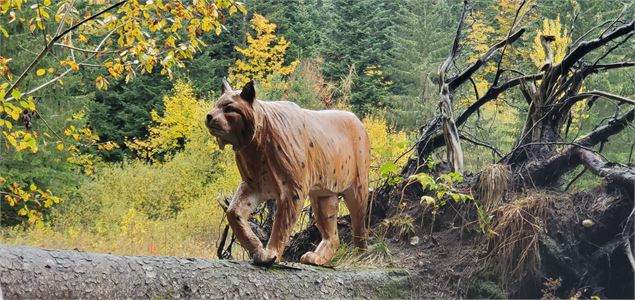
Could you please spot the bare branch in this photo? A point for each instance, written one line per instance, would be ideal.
(602, 133)
(612, 48)
(584, 35)
(55, 79)
(618, 98)
(587, 46)
(620, 174)
(604, 67)
(500, 59)
(88, 50)
(455, 45)
(457, 80)
(492, 93)
(481, 143)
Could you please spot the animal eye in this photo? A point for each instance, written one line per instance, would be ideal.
(228, 109)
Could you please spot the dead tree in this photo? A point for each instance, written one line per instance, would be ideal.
(32, 273)
(542, 155)
(550, 94)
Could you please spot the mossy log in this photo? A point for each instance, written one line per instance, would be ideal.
(33, 273)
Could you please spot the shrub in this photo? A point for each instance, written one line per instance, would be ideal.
(386, 145)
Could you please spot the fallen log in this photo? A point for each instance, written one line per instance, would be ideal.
(33, 273)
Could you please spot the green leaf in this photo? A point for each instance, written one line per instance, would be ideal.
(388, 169)
(4, 32)
(16, 94)
(428, 200)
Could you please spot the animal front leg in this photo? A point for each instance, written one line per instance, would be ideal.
(287, 211)
(244, 202)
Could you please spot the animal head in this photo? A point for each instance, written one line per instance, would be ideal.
(232, 120)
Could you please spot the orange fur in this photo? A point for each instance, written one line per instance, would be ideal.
(287, 153)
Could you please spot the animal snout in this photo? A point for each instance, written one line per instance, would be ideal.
(210, 121)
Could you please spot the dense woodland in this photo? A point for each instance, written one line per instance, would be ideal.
(106, 151)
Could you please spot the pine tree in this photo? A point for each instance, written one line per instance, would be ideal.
(421, 45)
(358, 36)
(303, 32)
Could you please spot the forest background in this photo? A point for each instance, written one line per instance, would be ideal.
(115, 161)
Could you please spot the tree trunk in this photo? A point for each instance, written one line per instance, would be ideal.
(32, 273)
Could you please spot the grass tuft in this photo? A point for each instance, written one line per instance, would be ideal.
(377, 256)
(514, 243)
(492, 185)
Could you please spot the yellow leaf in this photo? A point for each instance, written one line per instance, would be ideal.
(60, 147)
(15, 113)
(40, 72)
(32, 187)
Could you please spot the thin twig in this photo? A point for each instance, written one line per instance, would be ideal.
(88, 50)
(69, 69)
(574, 179)
(500, 59)
(483, 144)
(55, 39)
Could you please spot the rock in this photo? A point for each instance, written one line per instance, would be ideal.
(587, 223)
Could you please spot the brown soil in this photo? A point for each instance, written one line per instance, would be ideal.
(442, 262)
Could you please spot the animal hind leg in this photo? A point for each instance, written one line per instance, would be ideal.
(325, 211)
(356, 199)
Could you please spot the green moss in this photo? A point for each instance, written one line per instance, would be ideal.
(485, 289)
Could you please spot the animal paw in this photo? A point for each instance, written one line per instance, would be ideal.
(265, 257)
(312, 258)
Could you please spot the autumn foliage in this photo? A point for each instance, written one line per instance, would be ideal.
(263, 58)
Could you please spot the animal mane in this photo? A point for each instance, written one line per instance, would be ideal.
(282, 137)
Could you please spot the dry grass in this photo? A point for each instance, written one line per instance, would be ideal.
(399, 226)
(514, 244)
(378, 255)
(492, 184)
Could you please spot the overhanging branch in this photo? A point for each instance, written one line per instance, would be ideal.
(603, 94)
(549, 171)
(602, 133)
(616, 173)
(459, 79)
(430, 141)
(54, 40)
(587, 46)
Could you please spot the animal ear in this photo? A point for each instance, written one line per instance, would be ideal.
(249, 92)
(226, 87)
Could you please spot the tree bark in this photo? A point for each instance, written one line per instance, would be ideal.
(32, 273)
